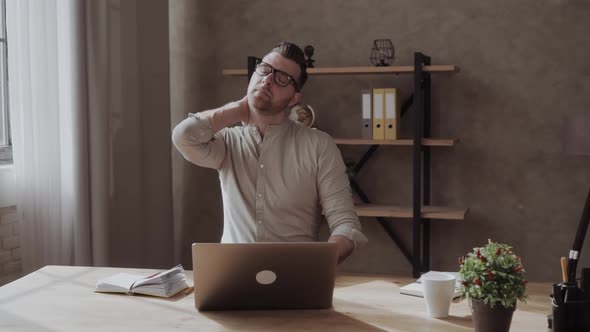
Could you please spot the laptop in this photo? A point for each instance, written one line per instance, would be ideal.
(264, 275)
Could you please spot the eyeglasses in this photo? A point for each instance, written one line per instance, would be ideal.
(281, 78)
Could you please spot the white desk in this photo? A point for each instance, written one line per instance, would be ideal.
(61, 298)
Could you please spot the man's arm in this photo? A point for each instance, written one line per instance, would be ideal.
(228, 114)
(337, 203)
(195, 136)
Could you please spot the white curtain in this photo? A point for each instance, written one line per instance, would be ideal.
(86, 190)
(48, 108)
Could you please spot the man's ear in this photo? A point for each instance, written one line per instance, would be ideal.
(296, 99)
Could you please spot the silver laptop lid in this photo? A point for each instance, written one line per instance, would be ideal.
(286, 275)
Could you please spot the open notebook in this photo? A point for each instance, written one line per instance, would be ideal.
(163, 284)
(415, 289)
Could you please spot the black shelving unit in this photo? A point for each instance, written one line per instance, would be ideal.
(421, 180)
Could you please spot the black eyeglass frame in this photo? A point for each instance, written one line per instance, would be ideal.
(292, 80)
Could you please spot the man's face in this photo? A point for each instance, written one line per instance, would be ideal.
(265, 95)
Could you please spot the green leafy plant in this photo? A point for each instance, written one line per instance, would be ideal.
(493, 274)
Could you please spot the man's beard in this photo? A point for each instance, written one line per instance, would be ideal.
(264, 105)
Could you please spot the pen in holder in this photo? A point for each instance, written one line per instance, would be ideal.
(571, 304)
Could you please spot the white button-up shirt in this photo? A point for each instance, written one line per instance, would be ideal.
(276, 188)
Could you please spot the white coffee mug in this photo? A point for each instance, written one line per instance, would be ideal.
(438, 290)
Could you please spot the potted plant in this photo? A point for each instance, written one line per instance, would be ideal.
(492, 278)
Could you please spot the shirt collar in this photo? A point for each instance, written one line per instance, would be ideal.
(271, 131)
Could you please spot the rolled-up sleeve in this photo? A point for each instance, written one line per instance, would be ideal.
(195, 140)
(336, 195)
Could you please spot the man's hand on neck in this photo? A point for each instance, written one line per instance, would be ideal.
(228, 114)
(240, 112)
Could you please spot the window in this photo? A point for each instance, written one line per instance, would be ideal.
(5, 141)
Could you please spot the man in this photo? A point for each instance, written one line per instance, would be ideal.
(276, 176)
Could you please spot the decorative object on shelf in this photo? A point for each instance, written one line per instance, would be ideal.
(308, 50)
(382, 53)
(303, 114)
(492, 278)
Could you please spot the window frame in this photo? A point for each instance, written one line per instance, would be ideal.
(5, 131)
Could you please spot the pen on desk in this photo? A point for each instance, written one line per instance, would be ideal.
(557, 295)
(572, 273)
(570, 265)
(563, 267)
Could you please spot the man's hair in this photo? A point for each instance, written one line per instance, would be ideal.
(293, 52)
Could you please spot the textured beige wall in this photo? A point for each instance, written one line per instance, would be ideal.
(524, 69)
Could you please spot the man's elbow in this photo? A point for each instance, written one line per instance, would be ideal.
(182, 139)
(178, 135)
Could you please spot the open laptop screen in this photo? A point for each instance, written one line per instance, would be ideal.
(286, 275)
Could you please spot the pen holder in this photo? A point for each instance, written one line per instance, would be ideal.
(571, 305)
(586, 281)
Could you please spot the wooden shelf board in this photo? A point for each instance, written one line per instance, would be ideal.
(360, 70)
(404, 142)
(430, 212)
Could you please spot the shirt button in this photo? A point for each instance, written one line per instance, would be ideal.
(260, 221)
(261, 165)
(259, 195)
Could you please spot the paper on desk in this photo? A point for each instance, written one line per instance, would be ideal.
(161, 277)
(120, 282)
(415, 289)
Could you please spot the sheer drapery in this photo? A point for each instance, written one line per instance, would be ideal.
(91, 149)
(48, 105)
